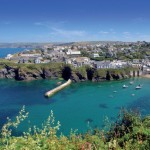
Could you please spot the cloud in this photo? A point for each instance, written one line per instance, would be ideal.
(49, 25)
(57, 31)
(139, 19)
(110, 31)
(104, 32)
(5, 22)
(126, 33)
(143, 37)
(39, 24)
(67, 33)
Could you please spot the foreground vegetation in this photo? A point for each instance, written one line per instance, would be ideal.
(129, 132)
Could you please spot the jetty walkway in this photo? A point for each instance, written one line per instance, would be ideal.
(53, 91)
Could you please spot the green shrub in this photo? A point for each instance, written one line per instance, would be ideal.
(129, 132)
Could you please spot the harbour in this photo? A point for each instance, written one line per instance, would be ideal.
(79, 106)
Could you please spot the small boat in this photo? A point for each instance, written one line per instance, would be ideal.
(138, 87)
(124, 86)
(58, 83)
(131, 82)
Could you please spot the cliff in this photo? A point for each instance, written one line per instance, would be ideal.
(59, 70)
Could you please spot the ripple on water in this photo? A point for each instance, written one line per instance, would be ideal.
(4, 113)
(142, 104)
(119, 107)
(51, 100)
(112, 118)
(64, 94)
(89, 120)
(103, 105)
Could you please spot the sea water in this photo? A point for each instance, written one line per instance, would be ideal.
(80, 106)
(5, 51)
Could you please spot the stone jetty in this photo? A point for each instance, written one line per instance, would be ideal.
(53, 91)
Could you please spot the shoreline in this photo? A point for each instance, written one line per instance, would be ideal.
(146, 76)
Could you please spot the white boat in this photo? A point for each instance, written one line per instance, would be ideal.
(138, 87)
(124, 86)
(58, 83)
(131, 82)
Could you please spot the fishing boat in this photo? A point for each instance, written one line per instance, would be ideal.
(124, 86)
(138, 87)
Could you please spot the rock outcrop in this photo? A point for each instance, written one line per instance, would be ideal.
(76, 75)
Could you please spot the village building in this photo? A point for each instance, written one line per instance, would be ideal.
(95, 55)
(102, 64)
(9, 56)
(78, 61)
(73, 52)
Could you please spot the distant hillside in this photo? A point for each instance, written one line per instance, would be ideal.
(84, 43)
(22, 45)
(39, 45)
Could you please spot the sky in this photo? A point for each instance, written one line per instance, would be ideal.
(74, 20)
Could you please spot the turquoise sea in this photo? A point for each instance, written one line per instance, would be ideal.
(5, 51)
(80, 106)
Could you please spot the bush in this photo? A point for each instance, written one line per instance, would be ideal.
(129, 132)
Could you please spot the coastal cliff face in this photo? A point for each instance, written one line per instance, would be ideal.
(29, 71)
(99, 75)
(32, 72)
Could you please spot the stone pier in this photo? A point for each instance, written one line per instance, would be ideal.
(53, 91)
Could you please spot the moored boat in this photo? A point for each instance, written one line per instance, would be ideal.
(138, 87)
(131, 82)
(124, 86)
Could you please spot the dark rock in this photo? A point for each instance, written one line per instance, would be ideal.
(74, 78)
(47, 73)
(104, 106)
(66, 72)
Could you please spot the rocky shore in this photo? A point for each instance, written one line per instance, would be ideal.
(32, 72)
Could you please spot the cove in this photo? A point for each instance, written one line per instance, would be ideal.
(79, 106)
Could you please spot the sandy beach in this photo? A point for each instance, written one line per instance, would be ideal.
(146, 76)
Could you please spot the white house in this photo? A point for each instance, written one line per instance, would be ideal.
(58, 48)
(118, 64)
(9, 56)
(136, 61)
(73, 52)
(102, 64)
(80, 61)
(37, 61)
(146, 69)
(95, 55)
